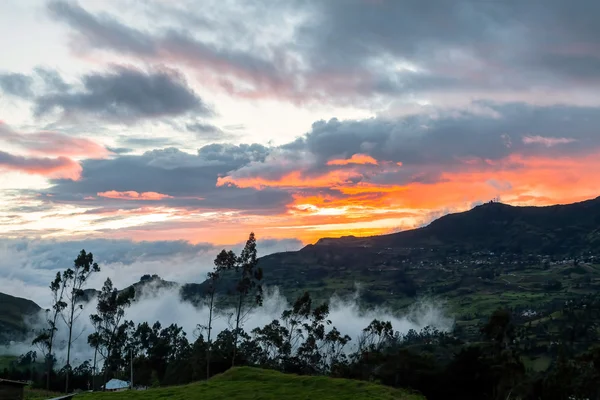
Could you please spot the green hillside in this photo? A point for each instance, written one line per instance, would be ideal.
(493, 255)
(253, 383)
(40, 394)
(13, 311)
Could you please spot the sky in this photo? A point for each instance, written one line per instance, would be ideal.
(196, 122)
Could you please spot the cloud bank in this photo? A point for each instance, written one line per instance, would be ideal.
(28, 266)
(166, 307)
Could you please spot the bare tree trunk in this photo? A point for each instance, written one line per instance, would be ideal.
(237, 326)
(51, 344)
(106, 364)
(49, 365)
(107, 358)
(94, 369)
(208, 343)
(105, 377)
(68, 366)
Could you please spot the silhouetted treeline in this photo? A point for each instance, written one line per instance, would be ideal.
(303, 341)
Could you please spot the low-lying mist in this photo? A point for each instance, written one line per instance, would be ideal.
(166, 306)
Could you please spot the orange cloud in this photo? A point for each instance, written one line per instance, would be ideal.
(59, 144)
(133, 195)
(355, 159)
(345, 202)
(294, 179)
(53, 143)
(57, 168)
(353, 204)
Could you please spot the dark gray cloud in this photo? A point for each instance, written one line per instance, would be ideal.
(16, 84)
(210, 133)
(447, 137)
(233, 154)
(486, 44)
(344, 51)
(120, 150)
(105, 32)
(52, 80)
(102, 31)
(190, 180)
(428, 146)
(126, 94)
(203, 128)
(147, 142)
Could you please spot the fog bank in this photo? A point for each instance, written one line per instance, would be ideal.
(166, 306)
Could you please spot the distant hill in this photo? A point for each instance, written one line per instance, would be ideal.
(146, 286)
(558, 229)
(13, 312)
(253, 383)
(384, 265)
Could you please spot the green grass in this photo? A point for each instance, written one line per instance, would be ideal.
(538, 364)
(5, 361)
(252, 383)
(39, 394)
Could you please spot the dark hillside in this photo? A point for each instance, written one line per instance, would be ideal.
(13, 311)
(560, 229)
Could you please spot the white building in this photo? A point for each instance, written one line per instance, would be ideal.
(116, 385)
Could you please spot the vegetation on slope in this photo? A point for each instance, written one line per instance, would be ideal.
(40, 394)
(498, 357)
(449, 256)
(476, 261)
(21, 363)
(13, 311)
(254, 383)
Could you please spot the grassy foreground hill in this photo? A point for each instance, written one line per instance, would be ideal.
(253, 383)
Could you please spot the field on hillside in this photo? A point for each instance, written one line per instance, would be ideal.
(12, 361)
(6, 361)
(40, 394)
(252, 383)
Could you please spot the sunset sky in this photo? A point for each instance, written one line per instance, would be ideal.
(203, 120)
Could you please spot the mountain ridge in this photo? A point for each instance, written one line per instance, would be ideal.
(529, 224)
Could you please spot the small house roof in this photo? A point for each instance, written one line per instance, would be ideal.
(14, 383)
(116, 384)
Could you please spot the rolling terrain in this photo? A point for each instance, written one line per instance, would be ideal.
(493, 255)
(253, 383)
(526, 258)
(550, 295)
